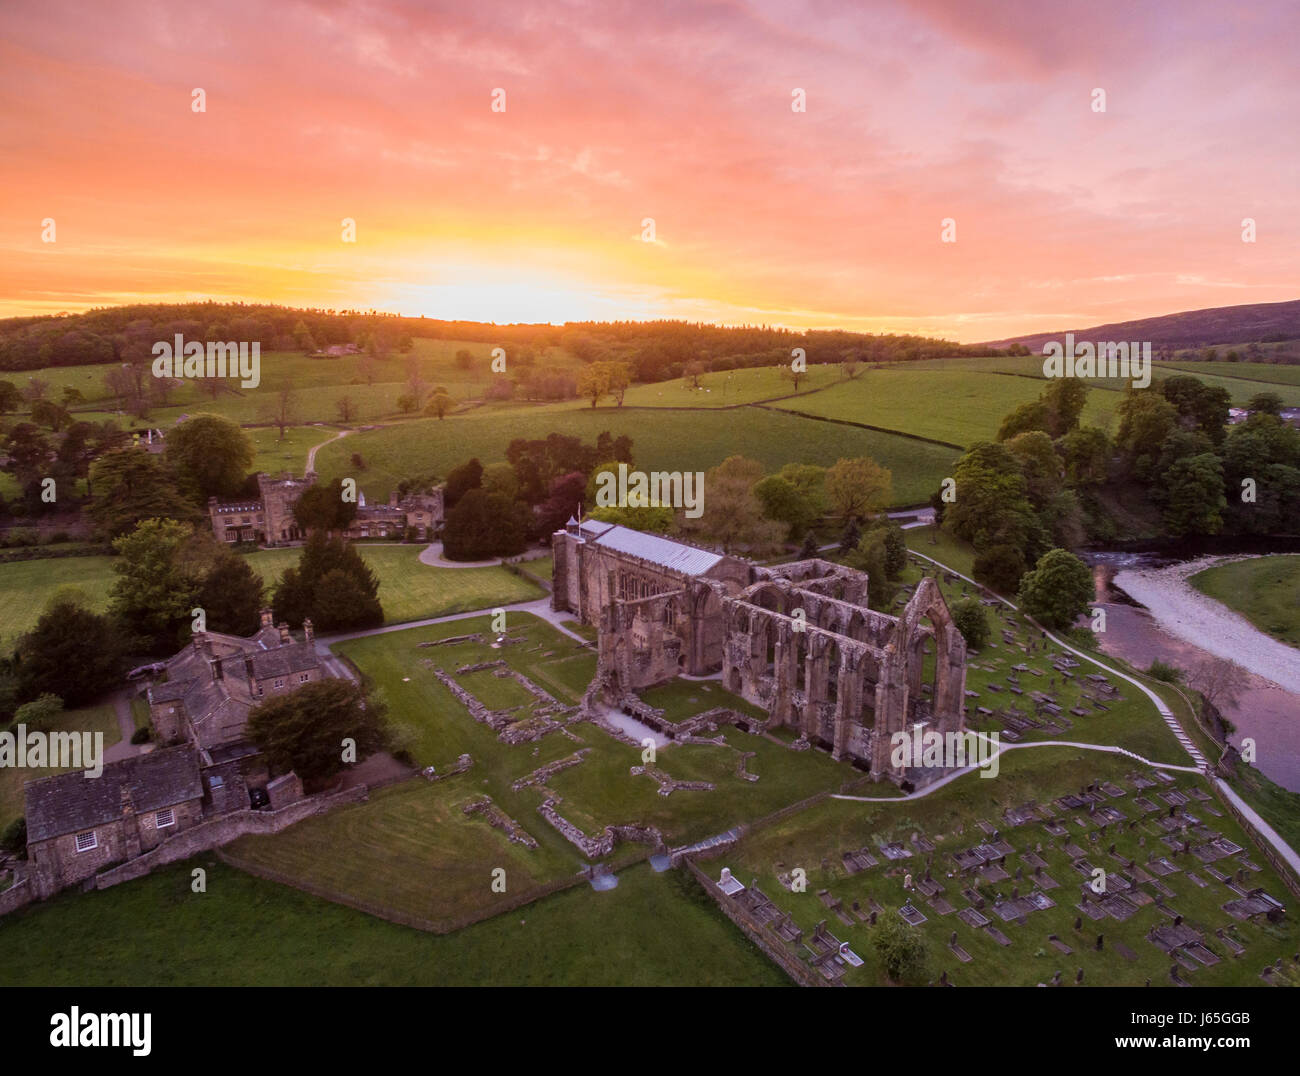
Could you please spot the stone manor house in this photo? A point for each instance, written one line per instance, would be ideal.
(269, 520)
(796, 639)
(199, 703)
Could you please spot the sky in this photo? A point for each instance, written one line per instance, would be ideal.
(649, 161)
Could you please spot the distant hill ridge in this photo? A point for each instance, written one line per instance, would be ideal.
(1261, 322)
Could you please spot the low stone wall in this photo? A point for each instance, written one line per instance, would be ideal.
(218, 831)
(16, 896)
(498, 819)
(772, 947)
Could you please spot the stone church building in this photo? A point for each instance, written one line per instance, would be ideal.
(797, 639)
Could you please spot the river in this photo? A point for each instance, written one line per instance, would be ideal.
(1263, 711)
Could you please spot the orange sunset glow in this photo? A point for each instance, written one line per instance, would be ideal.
(916, 112)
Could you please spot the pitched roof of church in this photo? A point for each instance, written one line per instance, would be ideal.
(73, 802)
(677, 556)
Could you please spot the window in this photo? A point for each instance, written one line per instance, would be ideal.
(260, 691)
(87, 841)
(279, 683)
(216, 781)
(166, 818)
(303, 677)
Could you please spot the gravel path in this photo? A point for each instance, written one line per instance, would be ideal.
(1185, 612)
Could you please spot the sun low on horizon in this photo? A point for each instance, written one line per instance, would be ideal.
(954, 169)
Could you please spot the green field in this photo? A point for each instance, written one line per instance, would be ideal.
(88, 719)
(408, 589)
(959, 406)
(815, 840)
(653, 930)
(26, 585)
(695, 439)
(1265, 590)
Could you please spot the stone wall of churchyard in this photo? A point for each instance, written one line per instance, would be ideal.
(771, 946)
(16, 896)
(226, 828)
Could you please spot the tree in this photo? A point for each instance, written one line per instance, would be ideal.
(794, 374)
(416, 385)
(464, 358)
(310, 589)
(692, 372)
(322, 508)
(282, 411)
(131, 485)
(72, 652)
(155, 590)
(620, 377)
(1059, 589)
(483, 525)
(809, 550)
(1267, 403)
(999, 567)
(1194, 500)
(1086, 451)
(501, 478)
(346, 409)
(10, 397)
(902, 948)
(971, 619)
(784, 502)
(210, 456)
(732, 515)
(593, 382)
(1146, 419)
(857, 488)
(304, 729)
(850, 538)
(302, 338)
(565, 495)
(40, 714)
(439, 403)
(1064, 399)
(48, 413)
(231, 595)
(894, 545)
(1219, 681)
(460, 480)
(1032, 415)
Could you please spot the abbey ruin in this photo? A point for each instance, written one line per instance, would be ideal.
(797, 640)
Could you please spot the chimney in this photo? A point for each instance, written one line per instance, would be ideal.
(267, 618)
(285, 638)
(308, 631)
(252, 680)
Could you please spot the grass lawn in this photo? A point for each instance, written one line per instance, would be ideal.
(274, 455)
(89, 719)
(726, 388)
(26, 585)
(938, 544)
(959, 406)
(680, 699)
(408, 589)
(670, 441)
(652, 930)
(410, 848)
(540, 567)
(815, 839)
(1265, 590)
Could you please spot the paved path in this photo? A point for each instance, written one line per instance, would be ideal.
(539, 607)
(1002, 749)
(124, 748)
(311, 452)
(432, 556)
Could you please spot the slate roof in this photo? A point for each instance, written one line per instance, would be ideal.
(296, 657)
(73, 802)
(676, 556)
